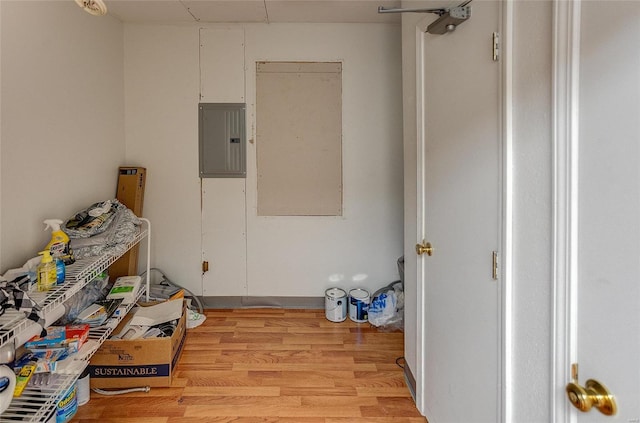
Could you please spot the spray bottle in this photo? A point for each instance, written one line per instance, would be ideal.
(59, 245)
(7, 386)
(46, 272)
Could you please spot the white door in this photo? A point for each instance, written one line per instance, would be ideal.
(607, 347)
(459, 369)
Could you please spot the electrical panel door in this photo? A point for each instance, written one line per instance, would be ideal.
(222, 140)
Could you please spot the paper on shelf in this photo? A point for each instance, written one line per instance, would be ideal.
(31, 329)
(75, 363)
(87, 350)
(70, 366)
(159, 313)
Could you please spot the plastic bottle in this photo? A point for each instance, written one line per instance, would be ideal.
(61, 271)
(47, 274)
(7, 386)
(59, 245)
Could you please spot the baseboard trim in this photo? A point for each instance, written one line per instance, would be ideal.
(410, 380)
(263, 302)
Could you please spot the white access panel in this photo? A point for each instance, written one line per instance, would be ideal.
(224, 237)
(222, 65)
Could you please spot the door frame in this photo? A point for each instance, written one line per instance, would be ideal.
(566, 80)
(505, 278)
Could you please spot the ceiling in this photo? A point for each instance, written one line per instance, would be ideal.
(266, 11)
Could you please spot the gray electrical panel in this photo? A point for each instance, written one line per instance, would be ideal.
(221, 131)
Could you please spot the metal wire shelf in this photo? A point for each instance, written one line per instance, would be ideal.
(38, 401)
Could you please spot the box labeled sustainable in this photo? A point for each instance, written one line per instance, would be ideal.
(133, 363)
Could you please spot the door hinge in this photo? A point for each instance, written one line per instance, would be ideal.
(494, 265)
(205, 266)
(496, 46)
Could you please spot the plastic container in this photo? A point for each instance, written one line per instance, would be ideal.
(46, 272)
(67, 405)
(125, 287)
(358, 305)
(7, 386)
(335, 305)
(83, 391)
(59, 245)
(61, 271)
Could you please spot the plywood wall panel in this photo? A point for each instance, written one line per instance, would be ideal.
(299, 138)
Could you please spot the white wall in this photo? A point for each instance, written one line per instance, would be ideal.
(532, 214)
(1, 138)
(287, 256)
(303, 256)
(62, 118)
(161, 106)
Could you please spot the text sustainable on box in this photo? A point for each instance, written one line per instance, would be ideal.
(122, 363)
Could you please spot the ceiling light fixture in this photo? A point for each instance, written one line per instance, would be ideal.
(94, 7)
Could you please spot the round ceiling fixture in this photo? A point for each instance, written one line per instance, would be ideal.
(95, 7)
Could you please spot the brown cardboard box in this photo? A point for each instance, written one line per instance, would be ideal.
(131, 182)
(139, 362)
(130, 192)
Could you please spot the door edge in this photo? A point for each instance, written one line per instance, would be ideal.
(505, 405)
(566, 43)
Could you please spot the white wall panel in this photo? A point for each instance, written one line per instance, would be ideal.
(224, 241)
(299, 138)
(222, 65)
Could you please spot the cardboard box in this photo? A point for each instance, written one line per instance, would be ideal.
(131, 182)
(138, 362)
(130, 192)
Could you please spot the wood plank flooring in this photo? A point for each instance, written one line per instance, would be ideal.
(273, 365)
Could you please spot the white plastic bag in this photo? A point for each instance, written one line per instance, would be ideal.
(386, 310)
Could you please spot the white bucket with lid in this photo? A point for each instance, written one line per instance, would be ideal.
(335, 305)
(358, 305)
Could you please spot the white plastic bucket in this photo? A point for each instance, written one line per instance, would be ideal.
(84, 389)
(335, 305)
(358, 305)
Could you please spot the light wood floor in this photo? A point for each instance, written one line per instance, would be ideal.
(273, 365)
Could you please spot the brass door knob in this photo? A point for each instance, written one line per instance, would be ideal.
(424, 248)
(593, 394)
